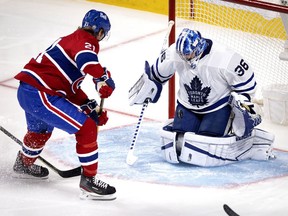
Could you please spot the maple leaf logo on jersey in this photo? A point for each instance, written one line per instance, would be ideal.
(197, 95)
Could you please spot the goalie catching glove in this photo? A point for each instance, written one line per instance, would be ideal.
(245, 118)
(104, 85)
(91, 109)
(145, 88)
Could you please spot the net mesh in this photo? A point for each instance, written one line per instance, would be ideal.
(257, 34)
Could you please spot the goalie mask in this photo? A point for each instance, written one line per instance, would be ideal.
(190, 46)
(97, 20)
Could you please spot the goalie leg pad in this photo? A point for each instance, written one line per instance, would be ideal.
(168, 148)
(214, 151)
(206, 151)
(262, 145)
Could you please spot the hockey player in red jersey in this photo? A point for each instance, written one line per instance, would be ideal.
(51, 96)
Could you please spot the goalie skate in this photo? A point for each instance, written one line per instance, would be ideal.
(29, 172)
(95, 189)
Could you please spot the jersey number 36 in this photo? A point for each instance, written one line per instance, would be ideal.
(241, 68)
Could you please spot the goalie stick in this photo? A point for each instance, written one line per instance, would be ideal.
(131, 158)
(63, 173)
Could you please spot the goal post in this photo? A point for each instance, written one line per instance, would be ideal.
(171, 84)
(256, 29)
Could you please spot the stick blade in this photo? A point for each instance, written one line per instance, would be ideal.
(229, 211)
(131, 158)
(70, 173)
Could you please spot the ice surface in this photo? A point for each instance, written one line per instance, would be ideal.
(151, 186)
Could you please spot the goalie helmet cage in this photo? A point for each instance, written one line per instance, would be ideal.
(255, 29)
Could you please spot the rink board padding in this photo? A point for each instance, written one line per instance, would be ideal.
(150, 166)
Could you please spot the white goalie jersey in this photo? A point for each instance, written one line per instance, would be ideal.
(207, 87)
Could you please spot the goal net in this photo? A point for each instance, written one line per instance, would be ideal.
(257, 34)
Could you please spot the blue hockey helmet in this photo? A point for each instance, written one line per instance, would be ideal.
(97, 20)
(190, 46)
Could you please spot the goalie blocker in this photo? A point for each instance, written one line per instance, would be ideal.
(146, 88)
(214, 151)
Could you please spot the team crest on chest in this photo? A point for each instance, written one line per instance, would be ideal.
(76, 84)
(197, 95)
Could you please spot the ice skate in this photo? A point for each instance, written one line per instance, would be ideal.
(30, 172)
(95, 189)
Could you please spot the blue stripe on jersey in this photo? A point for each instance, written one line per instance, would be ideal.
(157, 76)
(30, 74)
(88, 159)
(65, 64)
(247, 89)
(86, 56)
(244, 83)
(212, 107)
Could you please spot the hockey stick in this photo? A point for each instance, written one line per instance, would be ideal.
(64, 174)
(131, 158)
(101, 106)
(229, 211)
(100, 109)
(170, 25)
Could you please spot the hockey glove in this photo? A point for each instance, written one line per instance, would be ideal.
(91, 109)
(242, 102)
(245, 118)
(145, 89)
(104, 84)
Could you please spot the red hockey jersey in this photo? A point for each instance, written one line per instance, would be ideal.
(61, 68)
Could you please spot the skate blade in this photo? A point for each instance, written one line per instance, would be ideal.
(26, 176)
(85, 195)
